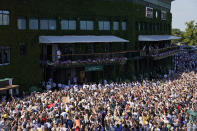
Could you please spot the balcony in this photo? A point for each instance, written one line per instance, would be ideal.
(81, 60)
(158, 54)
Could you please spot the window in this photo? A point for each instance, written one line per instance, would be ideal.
(150, 27)
(68, 24)
(156, 14)
(86, 25)
(163, 15)
(83, 25)
(156, 27)
(4, 55)
(48, 24)
(4, 17)
(145, 26)
(124, 25)
(22, 50)
(44, 24)
(149, 12)
(104, 25)
(33, 24)
(52, 24)
(21, 23)
(139, 26)
(115, 25)
(153, 27)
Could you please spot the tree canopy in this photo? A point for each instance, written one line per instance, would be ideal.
(190, 34)
(189, 37)
(179, 33)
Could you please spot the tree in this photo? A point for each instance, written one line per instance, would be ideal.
(179, 33)
(190, 34)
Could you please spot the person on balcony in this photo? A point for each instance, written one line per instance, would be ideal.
(144, 48)
(58, 55)
(75, 80)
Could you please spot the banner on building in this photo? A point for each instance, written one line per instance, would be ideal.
(94, 68)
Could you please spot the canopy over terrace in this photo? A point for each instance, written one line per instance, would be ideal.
(65, 62)
(6, 87)
(162, 49)
(80, 39)
(157, 37)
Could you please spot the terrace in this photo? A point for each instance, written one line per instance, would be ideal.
(72, 51)
(157, 54)
(79, 60)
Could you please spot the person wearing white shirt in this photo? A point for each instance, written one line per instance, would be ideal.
(58, 54)
(64, 114)
(75, 80)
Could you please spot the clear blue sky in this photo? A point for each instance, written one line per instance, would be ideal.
(183, 11)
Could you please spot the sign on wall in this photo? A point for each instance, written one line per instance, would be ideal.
(94, 68)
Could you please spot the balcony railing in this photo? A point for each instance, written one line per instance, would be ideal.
(70, 60)
(106, 61)
(160, 53)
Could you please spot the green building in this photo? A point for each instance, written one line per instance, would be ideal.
(84, 40)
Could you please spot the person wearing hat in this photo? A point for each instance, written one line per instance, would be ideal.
(5, 116)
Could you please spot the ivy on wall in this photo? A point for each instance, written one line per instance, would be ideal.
(26, 69)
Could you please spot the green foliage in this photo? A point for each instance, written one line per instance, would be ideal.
(25, 70)
(187, 48)
(179, 33)
(34, 88)
(190, 35)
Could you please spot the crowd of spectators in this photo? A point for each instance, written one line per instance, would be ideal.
(106, 60)
(157, 105)
(185, 61)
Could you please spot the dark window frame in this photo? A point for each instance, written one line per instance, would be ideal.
(48, 24)
(86, 23)
(122, 22)
(33, 18)
(103, 25)
(163, 15)
(22, 18)
(69, 20)
(114, 25)
(2, 14)
(2, 50)
(149, 13)
(23, 50)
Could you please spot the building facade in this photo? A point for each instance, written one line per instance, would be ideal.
(82, 41)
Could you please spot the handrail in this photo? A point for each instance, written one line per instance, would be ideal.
(105, 53)
(157, 51)
(161, 49)
(120, 60)
(119, 52)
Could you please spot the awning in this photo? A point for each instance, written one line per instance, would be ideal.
(9, 87)
(80, 39)
(157, 37)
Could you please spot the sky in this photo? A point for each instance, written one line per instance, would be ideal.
(183, 11)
